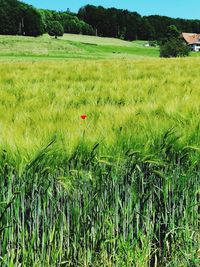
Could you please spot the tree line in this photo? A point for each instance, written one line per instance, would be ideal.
(20, 18)
(128, 25)
(69, 21)
(23, 19)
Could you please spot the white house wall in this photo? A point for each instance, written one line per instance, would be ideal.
(196, 48)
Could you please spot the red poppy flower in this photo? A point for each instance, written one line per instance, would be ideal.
(83, 117)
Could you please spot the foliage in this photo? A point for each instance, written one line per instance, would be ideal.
(128, 25)
(9, 13)
(19, 18)
(120, 188)
(32, 24)
(172, 32)
(173, 46)
(69, 21)
(54, 28)
(160, 25)
(111, 22)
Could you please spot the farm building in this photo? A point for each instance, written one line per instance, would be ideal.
(192, 39)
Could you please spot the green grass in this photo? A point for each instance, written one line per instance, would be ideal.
(70, 46)
(73, 46)
(96, 40)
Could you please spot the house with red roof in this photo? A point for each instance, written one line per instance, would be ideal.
(192, 39)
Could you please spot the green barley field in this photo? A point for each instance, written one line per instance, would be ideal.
(119, 188)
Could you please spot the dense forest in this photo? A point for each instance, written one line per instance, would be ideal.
(131, 25)
(19, 18)
(22, 19)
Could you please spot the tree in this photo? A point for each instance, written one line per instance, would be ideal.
(54, 28)
(9, 16)
(146, 30)
(174, 47)
(70, 22)
(32, 24)
(173, 32)
(19, 18)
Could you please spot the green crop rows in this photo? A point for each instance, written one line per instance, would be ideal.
(120, 188)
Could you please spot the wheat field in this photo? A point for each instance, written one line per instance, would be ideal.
(120, 188)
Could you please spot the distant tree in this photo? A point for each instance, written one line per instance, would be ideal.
(54, 28)
(172, 32)
(31, 21)
(9, 16)
(174, 48)
(72, 25)
(146, 30)
(159, 25)
(86, 28)
(133, 23)
(112, 22)
(19, 18)
(70, 22)
(173, 45)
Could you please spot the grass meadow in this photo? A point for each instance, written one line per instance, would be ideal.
(120, 188)
(71, 46)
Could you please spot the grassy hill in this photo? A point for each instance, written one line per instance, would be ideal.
(74, 46)
(71, 46)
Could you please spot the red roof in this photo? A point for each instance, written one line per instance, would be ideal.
(191, 38)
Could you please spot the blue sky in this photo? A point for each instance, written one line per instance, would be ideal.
(174, 8)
